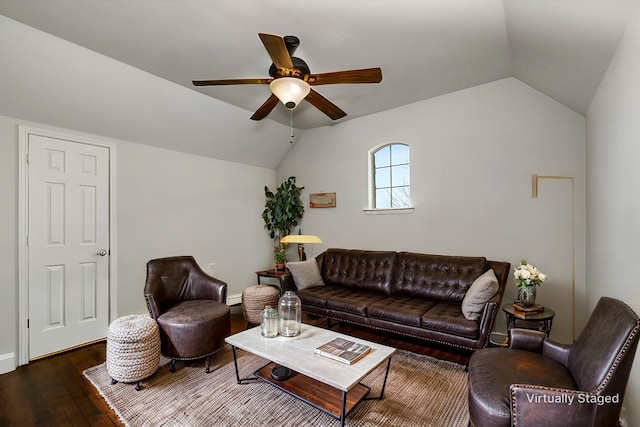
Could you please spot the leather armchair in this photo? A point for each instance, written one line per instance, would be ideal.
(190, 308)
(537, 381)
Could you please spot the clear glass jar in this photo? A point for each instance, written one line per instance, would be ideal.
(269, 322)
(290, 314)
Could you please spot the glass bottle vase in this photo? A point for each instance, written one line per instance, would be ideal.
(527, 296)
(289, 314)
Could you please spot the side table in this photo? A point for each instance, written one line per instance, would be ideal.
(270, 275)
(540, 321)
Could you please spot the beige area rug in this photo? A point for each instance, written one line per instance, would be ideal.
(420, 391)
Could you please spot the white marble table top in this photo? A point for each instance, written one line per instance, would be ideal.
(296, 353)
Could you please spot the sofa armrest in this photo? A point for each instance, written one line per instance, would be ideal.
(486, 322)
(556, 351)
(552, 407)
(536, 341)
(488, 317)
(526, 339)
(204, 286)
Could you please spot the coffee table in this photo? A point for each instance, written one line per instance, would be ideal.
(328, 385)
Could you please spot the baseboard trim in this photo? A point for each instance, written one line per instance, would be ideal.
(234, 299)
(7, 363)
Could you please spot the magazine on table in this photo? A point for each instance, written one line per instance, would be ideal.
(343, 350)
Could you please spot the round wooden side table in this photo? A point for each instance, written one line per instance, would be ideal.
(541, 321)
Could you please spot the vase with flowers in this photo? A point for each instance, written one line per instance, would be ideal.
(528, 278)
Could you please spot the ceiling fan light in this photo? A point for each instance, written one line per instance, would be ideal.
(289, 90)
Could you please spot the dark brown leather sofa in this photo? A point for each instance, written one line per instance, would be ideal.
(418, 295)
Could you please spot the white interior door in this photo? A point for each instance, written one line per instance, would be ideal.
(68, 244)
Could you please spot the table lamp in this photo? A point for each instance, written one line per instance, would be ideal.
(301, 239)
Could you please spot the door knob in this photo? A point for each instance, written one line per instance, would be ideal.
(102, 252)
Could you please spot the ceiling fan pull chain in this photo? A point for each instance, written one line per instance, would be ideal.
(291, 127)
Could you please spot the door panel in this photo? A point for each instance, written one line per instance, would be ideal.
(68, 221)
(54, 308)
(89, 289)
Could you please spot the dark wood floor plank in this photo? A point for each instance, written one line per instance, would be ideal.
(53, 391)
(13, 395)
(36, 383)
(64, 411)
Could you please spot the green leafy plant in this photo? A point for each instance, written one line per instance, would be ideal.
(283, 209)
(280, 254)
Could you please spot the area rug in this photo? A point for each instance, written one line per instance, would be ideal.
(420, 391)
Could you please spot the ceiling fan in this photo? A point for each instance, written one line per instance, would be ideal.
(291, 79)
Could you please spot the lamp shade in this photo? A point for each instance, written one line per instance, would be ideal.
(289, 90)
(300, 238)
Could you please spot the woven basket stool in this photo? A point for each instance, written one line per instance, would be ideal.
(255, 298)
(133, 349)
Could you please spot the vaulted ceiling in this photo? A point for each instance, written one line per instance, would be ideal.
(425, 48)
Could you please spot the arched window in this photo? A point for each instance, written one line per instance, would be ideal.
(390, 176)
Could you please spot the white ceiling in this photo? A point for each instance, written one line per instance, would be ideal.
(425, 48)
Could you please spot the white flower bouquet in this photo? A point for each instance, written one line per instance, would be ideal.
(527, 275)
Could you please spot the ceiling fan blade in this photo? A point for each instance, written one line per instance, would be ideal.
(265, 108)
(263, 81)
(277, 50)
(365, 75)
(324, 105)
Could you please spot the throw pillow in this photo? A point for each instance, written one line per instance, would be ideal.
(306, 274)
(481, 291)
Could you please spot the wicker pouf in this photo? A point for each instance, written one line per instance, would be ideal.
(255, 298)
(133, 349)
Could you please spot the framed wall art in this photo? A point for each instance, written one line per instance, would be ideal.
(322, 200)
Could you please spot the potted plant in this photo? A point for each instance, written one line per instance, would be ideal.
(280, 256)
(282, 211)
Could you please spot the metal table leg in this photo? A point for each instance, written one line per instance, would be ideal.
(384, 384)
(238, 379)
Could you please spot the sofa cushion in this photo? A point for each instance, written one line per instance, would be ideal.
(481, 291)
(306, 274)
(400, 308)
(447, 317)
(436, 277)
(315, 296)
(368, 270)
(351, 300)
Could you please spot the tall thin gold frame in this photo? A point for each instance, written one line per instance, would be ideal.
(534, 194)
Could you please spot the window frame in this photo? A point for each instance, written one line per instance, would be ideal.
(372, 180)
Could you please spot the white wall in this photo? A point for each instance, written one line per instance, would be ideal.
(613, 226)
(8, 244)
(45, 79)
(169, 203)
(472, 156)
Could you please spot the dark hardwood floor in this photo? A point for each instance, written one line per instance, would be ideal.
(53, 392)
